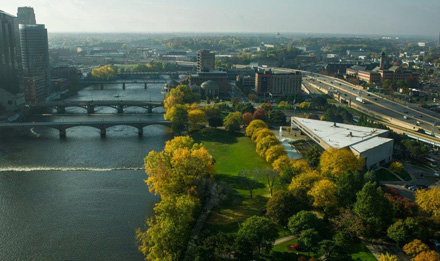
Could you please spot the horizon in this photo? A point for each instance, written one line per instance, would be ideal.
(341, 17)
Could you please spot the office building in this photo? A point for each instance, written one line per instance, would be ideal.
(26, 15)
(371, 144)
(35, 90)
(205, 61)
(35, 56)
(277, 84)
(9, 64)
(219, 77)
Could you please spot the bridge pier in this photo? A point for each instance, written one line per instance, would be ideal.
(102, 86)
(62, 133)
(61, 109)
(140, 131)
(90, 109)
(103, 132)
(123, 86)
(145, 85)
(150, 108)
(120, 109)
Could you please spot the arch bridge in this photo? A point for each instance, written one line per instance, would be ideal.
(91, 105)
(100, 125)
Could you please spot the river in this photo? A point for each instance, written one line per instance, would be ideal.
(79, 198)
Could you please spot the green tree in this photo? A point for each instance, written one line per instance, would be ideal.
(313, 155)
(404, 231)
(255, 235)
(372, 206)
(277, 117)
(233, 121)
(309, 240)
(304, 220)
(249, 180)
(214, 116)
(281, 206)
(348, 184)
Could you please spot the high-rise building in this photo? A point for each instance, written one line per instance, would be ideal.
(277, 84)
(26, 15)
(205, 61)
(9, 65)
(35, 55)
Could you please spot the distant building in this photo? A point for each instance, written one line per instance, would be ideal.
(26, 15)
(277, 84)
(371, 144)
(9, 54)
(219, 77)
(205, 61)
(34, 91)
(35, 59)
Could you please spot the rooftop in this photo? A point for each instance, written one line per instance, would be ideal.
(341, 135)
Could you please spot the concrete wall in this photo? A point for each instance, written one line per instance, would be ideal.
(375, 155)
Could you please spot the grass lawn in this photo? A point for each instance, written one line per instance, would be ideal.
(384, 175)
(232, 153)
(358, 252)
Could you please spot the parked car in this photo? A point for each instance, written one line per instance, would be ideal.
(413, 188)
(407, 185)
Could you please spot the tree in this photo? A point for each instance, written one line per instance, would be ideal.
(260, 114)
(252, 97)
(404, 231)
(283, 165)
(304, 105)
(347, 222)
(281, 206)
(270, 176)
(244, 107)
(247, 118)
(105, 72)
(249, 179)
(169, 230)
(319, 102)
(334, 162)
(264, 145)
(387, 257)
(415, 247)
(196, 119)
(260, 134)
(266, 106)
(348, 184)
(396, 167)
(302, 183)
(308, 240)
(427, 256)
(373, 208)
(256, 234)
(313, 155)
(304, 220)
(174, 97)
(429, 201)
(179, 168)
(232, 122)
(275, 152)
(277, 117)
(178, 116)
(323, 194)
(214, 116)
(254, 126)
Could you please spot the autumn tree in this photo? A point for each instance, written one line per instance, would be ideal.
(427, 256)
(173, 97)
(281, 206)
(334, 162)
(266, 106)
(249, 180)
(313, 155)
(270, 176)
(415, 247)
(233, 121)
(264, 145)
(247, 118)
(178, 115)
(302, 183)
(396, 167)
(387, 257)
(196, 119)
(323, 194)
(372, 206)
(254, 126)
(260, 134)
(105, 72)
(169, 229)
(274, 153)
(429, 201)
(179, 168)
(404, 231)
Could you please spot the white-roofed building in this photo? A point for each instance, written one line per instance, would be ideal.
(370, 144)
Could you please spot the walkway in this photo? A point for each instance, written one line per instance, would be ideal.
(378, 247)
(283, 239)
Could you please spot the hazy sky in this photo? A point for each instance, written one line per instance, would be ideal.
(408, 17)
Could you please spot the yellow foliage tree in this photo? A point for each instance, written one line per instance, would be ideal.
(334, 162)
(105, 72)
(428, 256)
(323, 194)
(302, 183)
(274, 153)
(260, 134)
(174, 97)
(300, 166)
(429, 201)
(387, 257)
(282, 163)
(304, 105)
(197, 119)
(265, 144)
(254, 126)
(415, 247)
(178, 168)
(396, 167)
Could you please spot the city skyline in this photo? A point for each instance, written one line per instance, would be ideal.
(299, 16)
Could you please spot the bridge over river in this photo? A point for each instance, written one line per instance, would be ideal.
(100, 125)
(90, 105)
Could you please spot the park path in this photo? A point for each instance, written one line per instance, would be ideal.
(378, 247)
(283, 239)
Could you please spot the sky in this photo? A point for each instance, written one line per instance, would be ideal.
(378, 17)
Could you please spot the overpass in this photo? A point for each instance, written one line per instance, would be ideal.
(100, 125)
(90, 105)
(122, 82)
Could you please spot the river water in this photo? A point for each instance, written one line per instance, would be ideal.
(79, 198)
